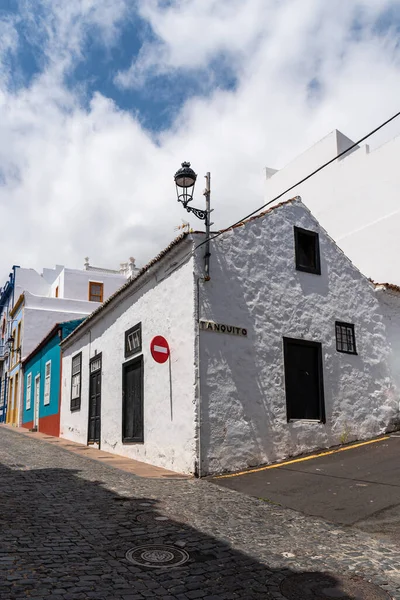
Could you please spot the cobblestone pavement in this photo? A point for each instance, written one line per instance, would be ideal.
(66, 523)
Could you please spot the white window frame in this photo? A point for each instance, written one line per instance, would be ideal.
(47, 382)
(28, 391)
(76, 381)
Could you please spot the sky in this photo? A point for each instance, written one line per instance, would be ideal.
(101, 100)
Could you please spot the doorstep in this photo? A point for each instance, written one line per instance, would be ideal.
(136, 467)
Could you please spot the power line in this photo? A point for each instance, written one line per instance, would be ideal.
(296, 184)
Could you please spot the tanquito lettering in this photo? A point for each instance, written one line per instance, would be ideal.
(221, 328)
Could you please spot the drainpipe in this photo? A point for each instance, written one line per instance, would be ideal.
(60, 332)
(13, 283)
(198, 378)
(5, 397)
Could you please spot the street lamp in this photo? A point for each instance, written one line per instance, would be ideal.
(10, 346)
(185, 179)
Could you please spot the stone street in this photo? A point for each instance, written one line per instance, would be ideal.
(67, 522)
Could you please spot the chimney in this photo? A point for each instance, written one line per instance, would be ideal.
(86, 265)
(132, 267)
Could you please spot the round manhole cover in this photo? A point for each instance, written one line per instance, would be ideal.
(150, 517)
(157, 556)
(323, 586)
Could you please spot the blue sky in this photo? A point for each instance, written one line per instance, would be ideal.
(101, 100)
(156, 104)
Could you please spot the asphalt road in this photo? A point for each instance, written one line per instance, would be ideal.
(359, 487)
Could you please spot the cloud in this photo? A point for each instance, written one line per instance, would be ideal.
(78, 180)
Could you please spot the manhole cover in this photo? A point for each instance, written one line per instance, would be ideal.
(157, 556)
(323, 586)
(150, 517)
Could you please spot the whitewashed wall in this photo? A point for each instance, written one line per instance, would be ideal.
(355, 199)
(41, 314)
(29, 280)
(254, 284)
(164, 306)
(74, 283)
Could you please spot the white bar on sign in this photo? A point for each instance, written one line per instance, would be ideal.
(161, 349)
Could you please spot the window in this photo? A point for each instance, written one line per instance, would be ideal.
(133, 340)
(14, 353)
(28, 391)
(303, 380)
(76, 382)
(95, 291)
(47, 376)
(307, 251)
(345, 338)
(19, 336)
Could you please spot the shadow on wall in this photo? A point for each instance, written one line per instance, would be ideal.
(233, 426)
(242, 381)
(69, 536)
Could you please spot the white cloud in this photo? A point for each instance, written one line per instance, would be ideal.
(91, 181)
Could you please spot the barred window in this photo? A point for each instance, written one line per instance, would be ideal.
(76, 382)
(133, 340)
(345, 338)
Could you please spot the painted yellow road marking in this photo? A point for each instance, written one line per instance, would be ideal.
(297, 460)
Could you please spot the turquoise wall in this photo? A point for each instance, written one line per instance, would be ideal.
(51, 351)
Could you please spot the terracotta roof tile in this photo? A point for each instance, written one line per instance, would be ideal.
(387, 286)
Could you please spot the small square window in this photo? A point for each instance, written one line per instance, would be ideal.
(345, 338)
(96, 291)
(307, 251)
(133, 340)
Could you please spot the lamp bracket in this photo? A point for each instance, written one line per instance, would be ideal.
(198, 212)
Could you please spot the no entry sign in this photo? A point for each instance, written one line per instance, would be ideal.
(159, 349)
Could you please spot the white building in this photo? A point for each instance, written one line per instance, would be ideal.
(32, 303)
(355, 199)
(286, 349)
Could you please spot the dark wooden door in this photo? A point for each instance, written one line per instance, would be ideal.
(94, 401)
(303, 380)
(132, 401)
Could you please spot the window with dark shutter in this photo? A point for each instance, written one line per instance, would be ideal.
(307, 251)
(132, 401)
(345, 338)
(76, 380)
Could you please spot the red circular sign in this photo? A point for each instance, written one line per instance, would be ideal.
(159, 349)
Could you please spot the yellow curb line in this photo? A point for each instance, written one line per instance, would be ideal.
(297, 460)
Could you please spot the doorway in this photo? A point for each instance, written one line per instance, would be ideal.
(132, 401)
(303, 380)
(94, 424)
(36, 403)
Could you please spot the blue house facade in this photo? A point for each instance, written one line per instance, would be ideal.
(42, 381)
(6, 303)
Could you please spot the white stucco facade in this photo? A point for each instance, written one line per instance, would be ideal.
(355, 199)
(74, 283)
(255, 285)
(40, 314)
(163, 302)
(223, 405)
